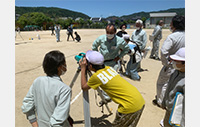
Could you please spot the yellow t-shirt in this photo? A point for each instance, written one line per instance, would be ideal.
(120, 91)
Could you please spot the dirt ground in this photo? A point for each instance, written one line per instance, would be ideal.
(29, 55)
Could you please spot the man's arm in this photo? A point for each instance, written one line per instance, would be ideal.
(125, 49)
(144, 41)
(164, 51)
(83, 65)
(156, 32)
(96, 44)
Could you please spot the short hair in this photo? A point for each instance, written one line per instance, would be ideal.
(139, 21)
(179, 22)
(122, 26)
(96, 67)
(111, 24)
(161, 22)
(52, 61)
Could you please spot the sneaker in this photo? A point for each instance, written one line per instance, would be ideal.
(152, 57)
(139, 78)
(155, 103)
(162, 123)
(157, 58)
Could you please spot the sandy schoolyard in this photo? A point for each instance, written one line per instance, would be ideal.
(29, 55)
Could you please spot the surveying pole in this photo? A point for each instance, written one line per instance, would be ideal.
(86, 103)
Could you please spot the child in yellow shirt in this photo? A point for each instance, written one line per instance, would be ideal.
(131, 102)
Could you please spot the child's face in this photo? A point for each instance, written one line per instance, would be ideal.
(126, 40)
(179, 65)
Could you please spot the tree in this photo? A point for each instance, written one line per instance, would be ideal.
(68, 22)
(81, 22)
(89, 23)
(34, 18)
(144, 21)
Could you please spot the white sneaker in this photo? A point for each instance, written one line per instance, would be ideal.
(161, 123)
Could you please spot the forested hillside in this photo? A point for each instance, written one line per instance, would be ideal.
(179, 11)
(52, 12)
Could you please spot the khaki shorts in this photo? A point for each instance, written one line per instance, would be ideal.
(127, 120)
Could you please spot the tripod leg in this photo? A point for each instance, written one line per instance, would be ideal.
(21, 36)
(75, 77)
(103, 99)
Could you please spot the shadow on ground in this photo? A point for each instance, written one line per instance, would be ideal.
(97, 122)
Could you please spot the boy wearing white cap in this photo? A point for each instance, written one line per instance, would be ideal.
(131, 102)
(176, 84)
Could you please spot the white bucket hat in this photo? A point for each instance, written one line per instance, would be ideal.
(179, 55)
(94, 57)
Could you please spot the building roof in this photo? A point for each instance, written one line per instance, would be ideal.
(95, 19)
(163, 14)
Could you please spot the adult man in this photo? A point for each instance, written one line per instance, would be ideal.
(176, 84)
(139, 36)
(57, 31)
(52, 30)
(131, 102)
(174, 41)
(48, 95)
(110, 45)
(69, 32)
(157, 35)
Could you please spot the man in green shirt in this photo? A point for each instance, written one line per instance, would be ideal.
(111, 46)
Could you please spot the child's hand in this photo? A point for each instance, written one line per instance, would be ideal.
(34, 124)
(83, 62)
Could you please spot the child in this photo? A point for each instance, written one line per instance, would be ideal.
(135, 58)
(176, 84)
(77, 38)
(131, 102)
(48, 95)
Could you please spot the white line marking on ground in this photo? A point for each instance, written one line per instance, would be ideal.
(76, 97)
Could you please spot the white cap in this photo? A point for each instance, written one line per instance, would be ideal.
(179, 55)
(94, 57)
(125, 36)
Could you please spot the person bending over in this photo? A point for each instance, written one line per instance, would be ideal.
(131, 102)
